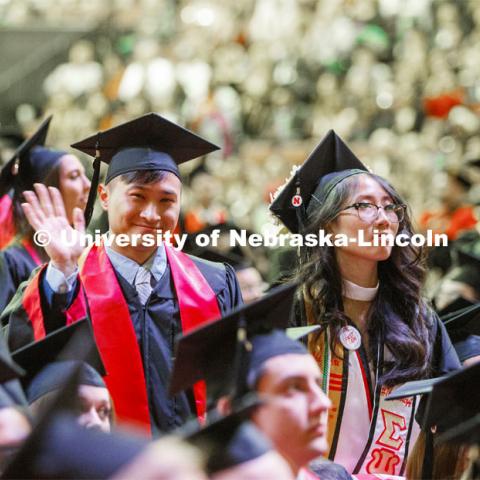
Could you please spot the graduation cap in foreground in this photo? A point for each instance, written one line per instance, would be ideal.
(415, 387)
(329, 163)
(465, 320)
(9, 369)
(266, 346)
(228, 441)
(149, 142)
(215, 351)
(451, 398)
(58, 447)
(455, 399)
(19, 159)
(72, 342)
(467, 432)
(11, 393)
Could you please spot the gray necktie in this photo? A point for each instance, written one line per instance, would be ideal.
(143, 285)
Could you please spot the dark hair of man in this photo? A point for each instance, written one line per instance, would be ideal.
(398, 313)
(143, 176)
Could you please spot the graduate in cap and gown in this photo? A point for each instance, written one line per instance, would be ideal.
(49, 363)
(138, 296)
(272, 365)
(34, 163)
(15, 419)
(60, 448)
(378, 331)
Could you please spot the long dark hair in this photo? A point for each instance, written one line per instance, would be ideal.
(398, 315)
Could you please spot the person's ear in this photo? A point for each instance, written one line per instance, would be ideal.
(103, 195)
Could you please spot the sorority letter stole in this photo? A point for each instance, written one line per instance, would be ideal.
(113, 327)
(391, 423)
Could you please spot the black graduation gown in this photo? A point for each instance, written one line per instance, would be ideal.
(11, 391)
(16, 265)
(156, 325)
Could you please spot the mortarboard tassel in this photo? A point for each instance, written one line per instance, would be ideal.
(92, 194)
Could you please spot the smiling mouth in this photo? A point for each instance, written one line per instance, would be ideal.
(146, 227)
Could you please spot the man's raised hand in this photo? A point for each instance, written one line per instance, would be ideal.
(45, 211)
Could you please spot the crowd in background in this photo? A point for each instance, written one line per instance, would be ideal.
(398, 79)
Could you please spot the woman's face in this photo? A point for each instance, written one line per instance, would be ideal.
(348, 223)
(73, 185)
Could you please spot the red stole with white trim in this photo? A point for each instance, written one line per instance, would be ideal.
(113, 327)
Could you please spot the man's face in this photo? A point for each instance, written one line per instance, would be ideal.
(139, 209)
(296, 414)
(95, 408)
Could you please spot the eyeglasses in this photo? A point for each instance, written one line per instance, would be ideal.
(368, 212)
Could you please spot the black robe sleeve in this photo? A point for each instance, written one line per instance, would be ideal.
(231, 295)
(16, 265)
(20, 331)
(445, 358)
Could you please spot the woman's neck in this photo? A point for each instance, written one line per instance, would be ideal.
(357, 301)
(363, 273)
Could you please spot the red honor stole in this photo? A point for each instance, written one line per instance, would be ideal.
(27, 245)
(197, 304)
(32, 305)
(7, 231)
(116, 339)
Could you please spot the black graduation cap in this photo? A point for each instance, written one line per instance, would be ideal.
(9, 369)
(214, 351)
(455, 399)
(54, 375)
(467, 433)
(415, 387)
(452, 398)
(269, 345)
(329, 163)
(230, 440)
(12, 168)
(149, 142)
(11, 392)
(72, 342)
(462, 321)
(59, 448)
